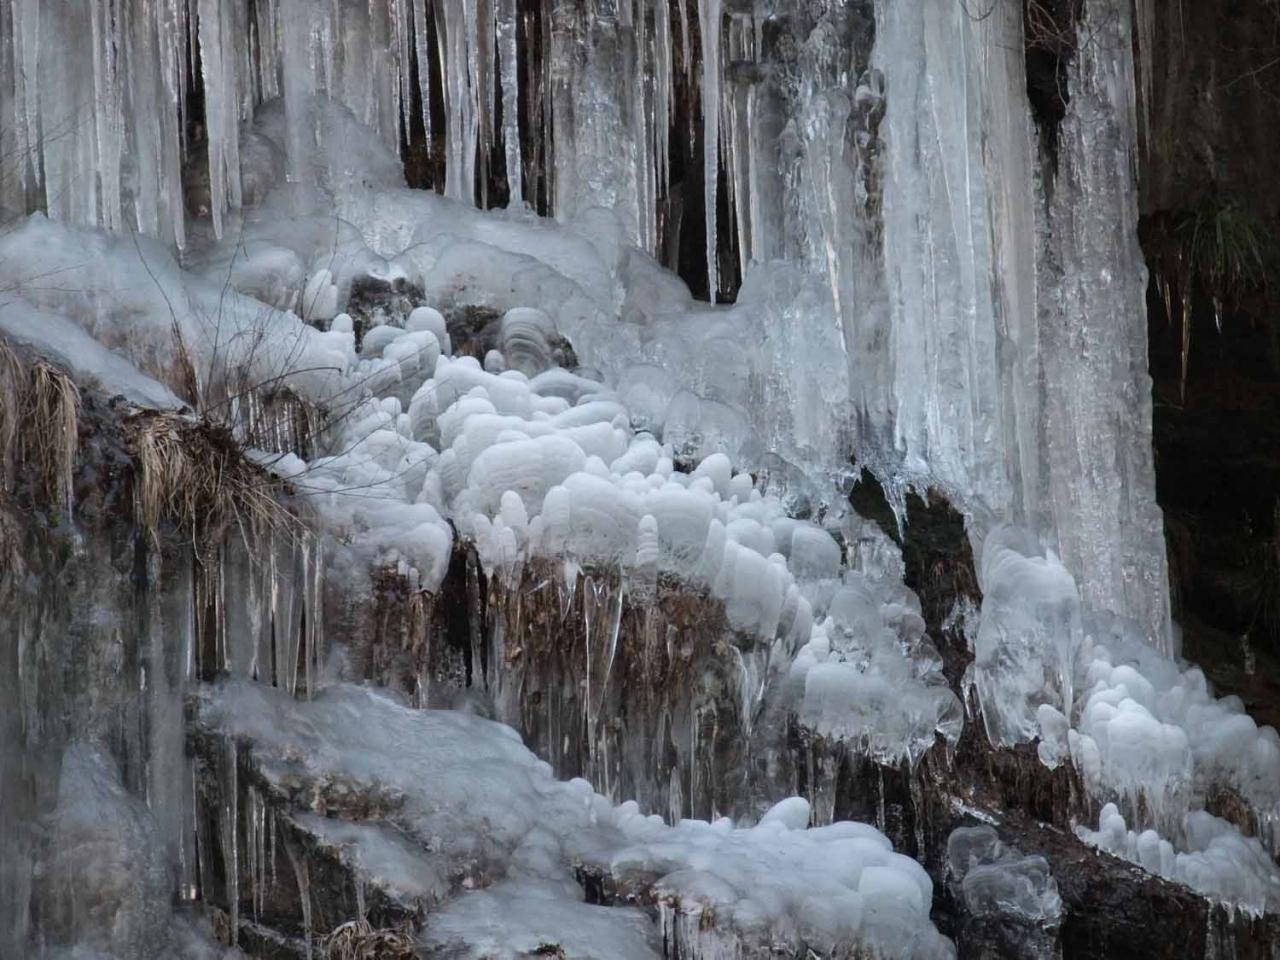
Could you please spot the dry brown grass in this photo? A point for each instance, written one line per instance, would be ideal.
(196, 476)
(360, 940)
(12, 393)
(39, 423)
(52, 437)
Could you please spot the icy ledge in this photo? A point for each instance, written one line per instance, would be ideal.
(1218, 862)
(490, 814)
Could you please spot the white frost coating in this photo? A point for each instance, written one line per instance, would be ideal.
(513, 918)
(381, 856)
(471, 790)
(88, 361)
(132, 297)
(1216, 861)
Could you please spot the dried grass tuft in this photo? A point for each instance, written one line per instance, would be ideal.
(360, 940)
(13, 388)
(52, 435)
(195, 475)
(39, 423)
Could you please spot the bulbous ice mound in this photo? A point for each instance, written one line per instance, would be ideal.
(1143, 730)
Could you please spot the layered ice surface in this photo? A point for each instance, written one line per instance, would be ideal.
(478, 804)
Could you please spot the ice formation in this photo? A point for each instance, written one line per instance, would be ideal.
(108, 879)
(539, 397)
(1144, 731)
(477, 801)
(1217, 861)
(995, 881)
(845, 155)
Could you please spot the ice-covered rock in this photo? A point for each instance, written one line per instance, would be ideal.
(468, 790)
(1217, 860)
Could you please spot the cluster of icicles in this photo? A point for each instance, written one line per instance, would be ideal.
(104, 130)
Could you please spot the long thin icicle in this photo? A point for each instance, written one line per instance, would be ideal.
(662, 77)
(423, 49)
(217, 33)
(510, 66)
(709, 15)
(457, 20)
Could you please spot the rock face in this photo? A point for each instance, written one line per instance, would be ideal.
(1209, 76)
(1210, 104)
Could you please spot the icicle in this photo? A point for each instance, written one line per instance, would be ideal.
(483, 64)
(401, 17)
(302, 876)
(219, 33)
(422, 46)
(475, 617)
(107, 115)
(230, 837)
(510, 67)
(635, 77)
(662, 77)
(497, 638)
(684, 40)
(562, 86)
(309, 640)
(299, 85)
(26, 32)
(315, 609)
(544, 127)
(266, 58)
(454, 23)
(709, 15)
(739, 140)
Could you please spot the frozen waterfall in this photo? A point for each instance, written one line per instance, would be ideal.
(432, 567)
(964, 314)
